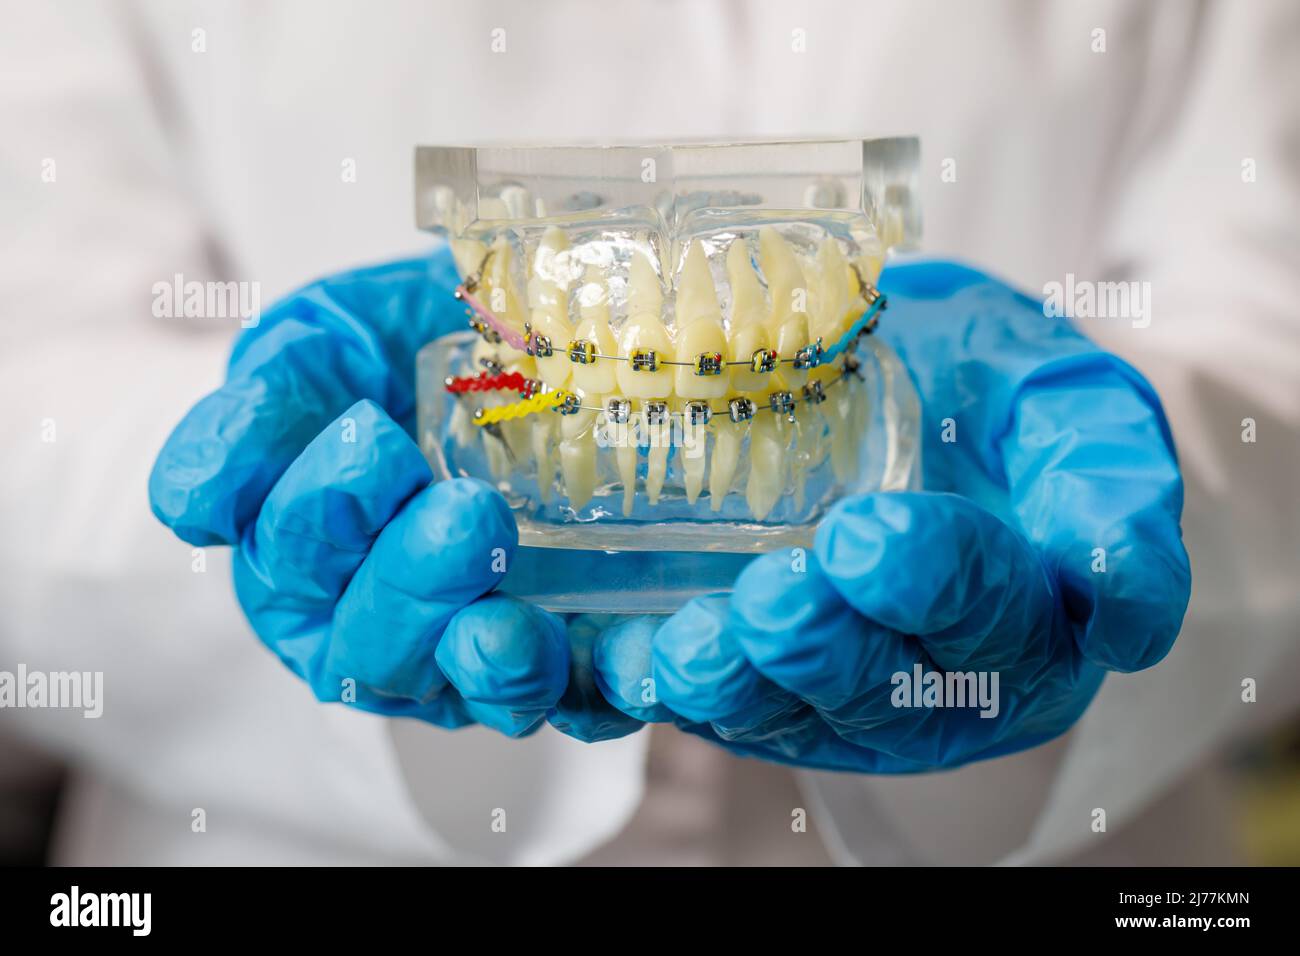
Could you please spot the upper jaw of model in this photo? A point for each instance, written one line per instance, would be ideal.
(705, 361)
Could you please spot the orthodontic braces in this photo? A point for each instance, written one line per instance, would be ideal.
(583, 352)
(619, 410)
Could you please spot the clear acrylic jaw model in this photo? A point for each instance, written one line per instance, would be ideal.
(667, 365)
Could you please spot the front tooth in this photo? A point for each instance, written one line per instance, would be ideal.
(727, 438)
(767, 444)
(699, 330)
(597, 377)
(659, 436)
(501, 297)
(578, 456)
(748, 310)
(549, 301)
(788, 325)
(644, 331)
(692, 456)
(622, 437)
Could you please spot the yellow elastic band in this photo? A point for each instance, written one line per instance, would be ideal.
(527, 406)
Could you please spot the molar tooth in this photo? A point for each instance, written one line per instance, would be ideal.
(699, 330)
(598, 377)
(727, 438)
(748, 310)
(644, 334)
(548, 298)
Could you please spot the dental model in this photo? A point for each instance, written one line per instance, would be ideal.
(701, 391)
(668, 364)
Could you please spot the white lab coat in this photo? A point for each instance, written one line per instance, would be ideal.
(226, 163)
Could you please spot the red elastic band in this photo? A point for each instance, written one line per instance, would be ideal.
(483, 382)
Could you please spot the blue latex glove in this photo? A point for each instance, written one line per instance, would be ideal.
(1060, 449)
(370, 584)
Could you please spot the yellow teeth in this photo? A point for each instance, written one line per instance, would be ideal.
(701, 340)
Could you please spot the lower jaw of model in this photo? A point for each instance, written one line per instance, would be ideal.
(749, 407)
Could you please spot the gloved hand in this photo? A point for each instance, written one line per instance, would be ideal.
(1046, 548)
(371, 585)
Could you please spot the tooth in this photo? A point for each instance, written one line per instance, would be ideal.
(517, 432)
(544, 435)
(659, 438)
(549, 301)
(809, 451)
(599, 377)
(788, 325)
(578, 456)
(621, 438)
(644, 331)
(692, 454)
(748, 310)
(644, 294)
(656, 472)
(767, 444)
(834, 293)
(727, 438)
(699, 329)
(838, 411)
(625, 456)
